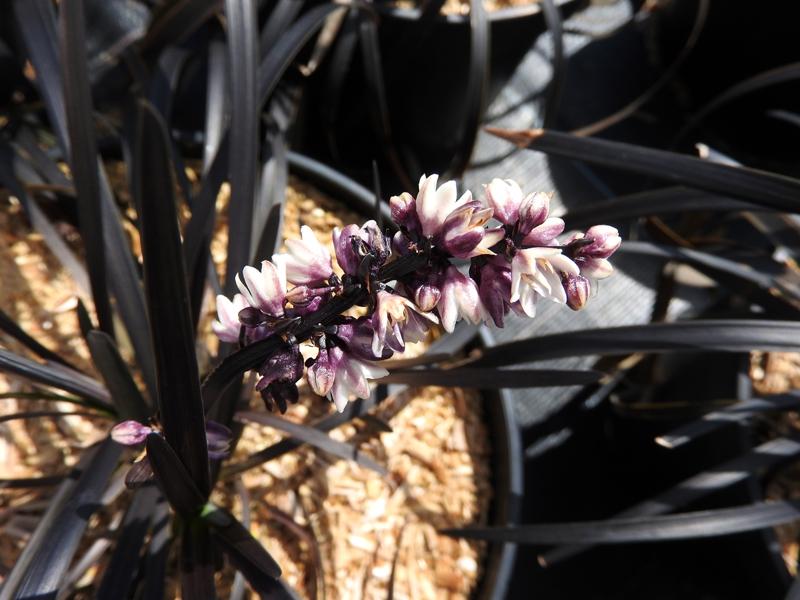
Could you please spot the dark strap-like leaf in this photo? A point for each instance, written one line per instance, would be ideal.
(739, 412)
(488, 378)
(663, 201)
(244, 132)
(55, 375)
(178, 486)
(753, 463)
(315, 437)
(179, 400)
(239, 543)
(119, 574)
(83, 152)
(10, 327)
(723, 335)
(767, 189)
(693, 525)
(351, 411)
(124, 393)
(39, 571)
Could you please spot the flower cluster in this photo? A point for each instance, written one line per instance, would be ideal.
(406, 283)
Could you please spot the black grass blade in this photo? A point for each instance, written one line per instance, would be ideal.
(314, 437)
(737, 276)
(753, 463)
(83, 153)
(55, 375)
(723, 335)
(176, 21)
(21, 483)
(39, 220)
(779, 75)
(124, 393)
(39, 571)
(766, 189)
(173, 478)
(488, 378)
(664, 201)
(158, 551)
(238, 542)
(244, 131)
(477, 86)
(216, 100)
(693, 525)
(38, 414)
(36, 20)
(281, 55)
(378, 105)
(10, 327)
(119, 575)
(740, 413)
(179, 400)
(352, 410)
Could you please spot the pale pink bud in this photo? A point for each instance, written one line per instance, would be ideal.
(130, 433)
(577, 288)
(427, 296)
(504, 196)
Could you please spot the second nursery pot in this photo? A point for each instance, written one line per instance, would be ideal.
(416, 97)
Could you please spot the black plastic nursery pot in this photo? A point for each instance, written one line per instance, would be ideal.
(507, 465)
(424, 69)
(610, 462)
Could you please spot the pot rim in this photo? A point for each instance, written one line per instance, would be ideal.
(503, 14)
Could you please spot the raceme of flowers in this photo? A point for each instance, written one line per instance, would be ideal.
(514, 263)
(404, 283)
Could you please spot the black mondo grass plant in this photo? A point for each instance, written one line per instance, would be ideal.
(429, 259)
(400, 277)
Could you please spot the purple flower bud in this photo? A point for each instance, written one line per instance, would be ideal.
(280, 394)
(219, 439)
(251, 317)
(427, 296)
(462, 231)
(404, 212)
(533, 212)
(346, 254)
(281, 370)
(577, 288)
(494, 289)
(130, 433)
(544, 234)
(605, 241)
(504, 196)
(591, 256)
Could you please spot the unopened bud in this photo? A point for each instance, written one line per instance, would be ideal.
(577, 288)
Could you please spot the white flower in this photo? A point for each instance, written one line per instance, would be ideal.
(307, 262)
(535, 273)
(459, 299)
(504, 197)
(435, 205)
(390, 310)
(227, 326)
(264, 289)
